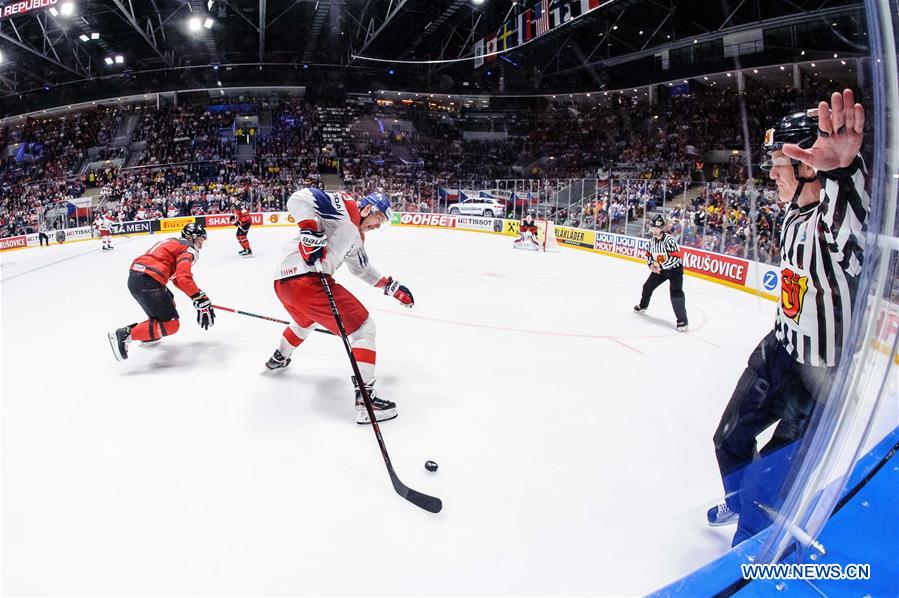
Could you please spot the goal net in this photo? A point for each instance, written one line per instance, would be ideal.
(546, 235)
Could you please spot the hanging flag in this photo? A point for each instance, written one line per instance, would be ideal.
(587, 5)
(490, 48)
(559, 11)
(541, 17)
(479, 53)
(507, 38)
(525, 26)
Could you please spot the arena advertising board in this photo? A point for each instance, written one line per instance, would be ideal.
(134, 227)
(423, 219)
(723, 267)
(13, 242)
(174, 225)
(575, 237)
(278, 219)
(621, 244)
(510, 227)
(475, 223)
(224, 219)
(22, 7)
(57, 237)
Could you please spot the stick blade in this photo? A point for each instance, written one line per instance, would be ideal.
(431, 504)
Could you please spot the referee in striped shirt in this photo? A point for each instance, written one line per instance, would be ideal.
(814, 160)
(664, 259)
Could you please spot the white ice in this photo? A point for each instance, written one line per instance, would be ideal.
(574, 437)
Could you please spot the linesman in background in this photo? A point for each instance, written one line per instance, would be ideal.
(664, 259)
(813, 158)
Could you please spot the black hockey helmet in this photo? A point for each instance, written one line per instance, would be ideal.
(191, 231)
(800, 128)
(657, 221)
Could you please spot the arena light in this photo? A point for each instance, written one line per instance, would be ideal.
(54, 12)
(1, 58)
(67, 9)
(194, 24)
(83, 37)
(208, 23)
(95, 35)
(119, 59)
(108, 60)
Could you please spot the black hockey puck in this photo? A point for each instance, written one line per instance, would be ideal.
(430, 466)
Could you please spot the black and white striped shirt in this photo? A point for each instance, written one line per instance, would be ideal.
(664, 252)
(822, 248)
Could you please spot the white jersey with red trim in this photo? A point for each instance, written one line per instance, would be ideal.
(338, 217)
(103, 223)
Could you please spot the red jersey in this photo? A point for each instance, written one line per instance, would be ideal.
(242, 218)
(170, 259)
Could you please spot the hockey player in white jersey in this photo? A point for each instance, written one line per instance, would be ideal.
(103, 226)
(332, 229)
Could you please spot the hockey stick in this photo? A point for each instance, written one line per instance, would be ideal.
(246, 313)
(428, 503)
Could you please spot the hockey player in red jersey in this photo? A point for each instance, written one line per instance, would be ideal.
(527, 238)
(243, 220)
(170, 259)
(332, 229)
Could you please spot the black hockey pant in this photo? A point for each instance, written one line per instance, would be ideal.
(772, 387)
(678, 299)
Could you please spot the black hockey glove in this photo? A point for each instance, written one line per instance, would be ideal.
(205, 313)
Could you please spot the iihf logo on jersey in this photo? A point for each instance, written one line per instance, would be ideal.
(792, 293)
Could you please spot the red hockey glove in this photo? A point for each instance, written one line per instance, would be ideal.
(313, 245)
(399, 291)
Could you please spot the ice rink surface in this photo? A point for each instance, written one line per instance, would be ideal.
(574, 437)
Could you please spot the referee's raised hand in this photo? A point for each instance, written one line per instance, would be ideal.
(840, 127)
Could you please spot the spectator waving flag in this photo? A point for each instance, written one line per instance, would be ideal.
(541, 17)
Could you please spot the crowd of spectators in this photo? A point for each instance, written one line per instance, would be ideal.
(185, 134)
(641, 156)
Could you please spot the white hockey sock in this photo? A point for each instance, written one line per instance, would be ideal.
(292, 337)
(363, 343)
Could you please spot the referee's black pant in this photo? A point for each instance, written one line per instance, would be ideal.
(678, 299)
(43, 238)
(774, 388)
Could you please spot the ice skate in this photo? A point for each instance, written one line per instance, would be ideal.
(721, 515)
(383, 409)
(638, 309)
(247, 253)
(683, 327)
(277, 361)
(119, 341)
